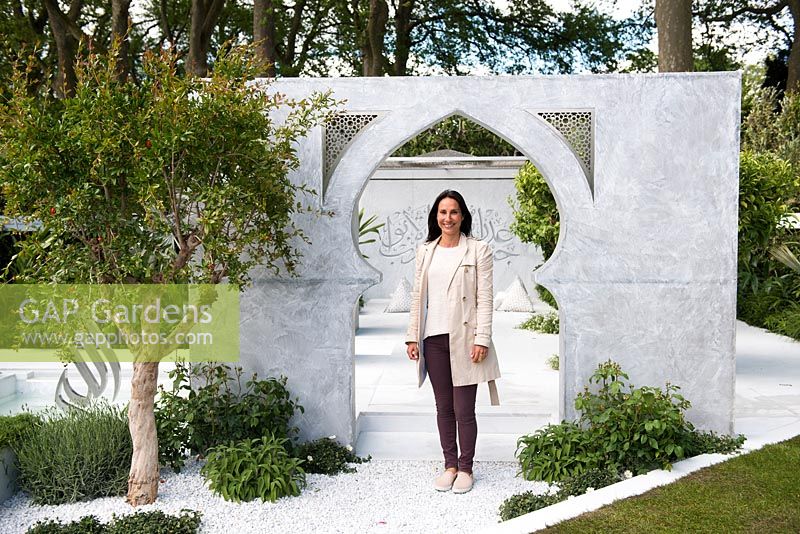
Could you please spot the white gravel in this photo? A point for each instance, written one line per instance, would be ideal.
(383, 496)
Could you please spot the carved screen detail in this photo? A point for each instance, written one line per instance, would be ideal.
(576, 127)
(339, 133)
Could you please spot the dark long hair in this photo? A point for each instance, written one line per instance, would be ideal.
(433, 226)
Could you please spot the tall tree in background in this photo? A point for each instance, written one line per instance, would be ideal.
(67, 35)
(289, 38)
(674, 25)
(204, 15)
(457, 35)
(779, 17)
(120, 19)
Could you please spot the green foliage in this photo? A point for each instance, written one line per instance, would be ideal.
(457, 133)
(128, 183)
(555, 452)
(588, 480)
(546, 296)
(76, 455)
(85, 525)
(639, 428)
(620, 428)
(699, 442)
(327, 457)
(208, 405)
(155, 522)
(13, 427)
(785, 321)
(258, 468)
(525, 503)
(546, 324)
(773, 126)
(553, 362)
(767, 187)
(536, 217)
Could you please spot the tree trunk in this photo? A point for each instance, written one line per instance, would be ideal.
(674, 23)
(66, 45)
(793, 79)
(120, 11)
(143, 478)
(204, 15)
(373, 40)
(264, 36)
(403, 27)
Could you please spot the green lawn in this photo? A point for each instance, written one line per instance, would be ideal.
(757, 492)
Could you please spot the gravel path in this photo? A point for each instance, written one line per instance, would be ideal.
(383, 496)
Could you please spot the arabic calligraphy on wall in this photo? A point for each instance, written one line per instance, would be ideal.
(405, 229)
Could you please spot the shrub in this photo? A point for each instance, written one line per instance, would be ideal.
(327, 457)
(208, 406)
(257, 468)
(620, 428)
(546, 324)
(594, 478)
(767, 187)
(525, 503)
(12, 427)
(536, 218)
(553, 362)
(556, 451)
(86, 525)
(535, 211)
(699, 442)
(546, 296)
(76, 455)
(155, 522)
(639, 428)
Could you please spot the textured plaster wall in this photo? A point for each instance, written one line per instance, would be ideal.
(645, 269)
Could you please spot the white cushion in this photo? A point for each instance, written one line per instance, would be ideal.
(401, 298)
(516, 298)
(498, 299)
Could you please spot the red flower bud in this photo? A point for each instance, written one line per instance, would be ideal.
(148, 143)
(52, 211)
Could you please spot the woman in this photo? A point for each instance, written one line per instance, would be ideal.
(450, 330)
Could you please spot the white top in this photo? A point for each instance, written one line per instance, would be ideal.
(440, 272)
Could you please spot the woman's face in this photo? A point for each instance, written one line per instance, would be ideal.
(449, 217)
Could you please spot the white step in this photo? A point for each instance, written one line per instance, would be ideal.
(425, 446)
(8, 385)
(492, 423)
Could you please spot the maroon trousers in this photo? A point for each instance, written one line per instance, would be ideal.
(455, 405)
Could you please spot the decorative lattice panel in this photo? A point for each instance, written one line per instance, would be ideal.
(576, 127)
(339, 132)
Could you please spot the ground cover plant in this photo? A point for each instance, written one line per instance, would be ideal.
(544, 323)
(621, 427)
(254, 469)
(572, 486)
(155, 522)
(328, 457)
(210, 404)
(76, 455)
(754, 492)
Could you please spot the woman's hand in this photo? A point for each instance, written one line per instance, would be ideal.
(412, 349)
(479, 353)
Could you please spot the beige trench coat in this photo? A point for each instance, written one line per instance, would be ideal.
(469, 296)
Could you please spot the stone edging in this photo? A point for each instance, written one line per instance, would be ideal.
(588, 502)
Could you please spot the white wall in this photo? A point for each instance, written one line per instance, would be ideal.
(401, 193)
